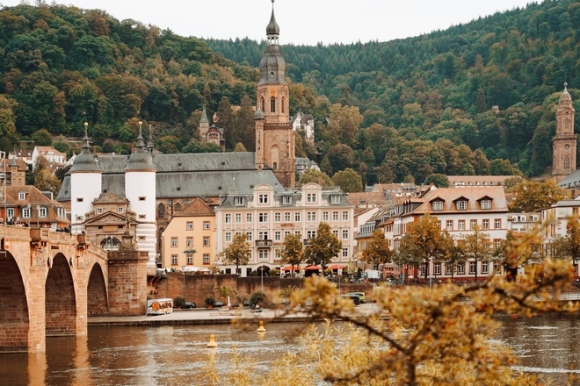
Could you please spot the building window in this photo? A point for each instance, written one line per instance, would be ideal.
(472, 224)
(26, 212)
(10, 213)
(206, 241)
(228, 236)
(484, 267)
(262, 217)
(262, 254)
(310, 234)
(263, 198)
(248, 217)
(174, 242)
(99, 210)
(189, 241)
(335, 199)
(228, 218)
(311, 216)
(297, 217)
(334, 216)
(42, 212)
(335, 232)
(286, 233)
(189, 258)
(461, 205)
(277, 254)
(238, 218)
(189, 225)
(286, 200)
(119, 210)
(277, 216)
(283, 103)
(141, 198)
(206, 225)
(485, 224)
(461, 269)
(277, 236)
(566, 162)
(497, 223)
(262, 105)
(437, 205)
(449, 225)
(249, 236)
(472, 267)
(448, 269)
(324, 216)
(461, 225)
(437, 268)
(345, 216)
(173, 259)
(206, 258)
(345, 234)
(22, 196)
(287, 217)
(263, 235)
(344, 252)
(485, 204)
(272, 105)
(311, 198)
(239, 201)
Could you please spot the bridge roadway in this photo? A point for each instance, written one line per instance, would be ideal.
(51, 283)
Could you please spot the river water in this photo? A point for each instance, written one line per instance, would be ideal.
(177, 355)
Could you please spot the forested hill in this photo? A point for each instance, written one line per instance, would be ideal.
(444, 84)
(403, 110)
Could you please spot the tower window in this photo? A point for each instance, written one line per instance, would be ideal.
(263, 105)
(566, 162)
(283, 102)
(272, 105)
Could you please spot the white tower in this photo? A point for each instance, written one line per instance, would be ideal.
(85, 185)
(140, 190)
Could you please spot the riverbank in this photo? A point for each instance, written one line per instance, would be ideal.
(201, 316)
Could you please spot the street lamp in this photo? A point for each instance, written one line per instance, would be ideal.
(430, 273)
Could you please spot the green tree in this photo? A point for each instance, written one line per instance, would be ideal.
(348, 180)
(535, 195)
(243, 128)
(293, 251)
(316, 176)
(437, 179)
(239, 148)
(225, 119)
(322, 247)
(377, 250)
(42, 137)
(238, 252)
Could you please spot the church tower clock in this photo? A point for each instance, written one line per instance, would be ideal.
(564, 142)
(273, 130)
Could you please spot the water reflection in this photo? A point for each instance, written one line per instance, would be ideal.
(177, 355)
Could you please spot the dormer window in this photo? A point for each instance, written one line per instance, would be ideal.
(263, 198)
(286, 200)
(461, 205)
(485, 204)
(335, 199)
(22, 196)
(437, 205)
(239, 201)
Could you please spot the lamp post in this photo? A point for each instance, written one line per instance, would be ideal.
(430, 267)
(262, 274)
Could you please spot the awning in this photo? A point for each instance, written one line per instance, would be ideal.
(337, 266)
(313, 268)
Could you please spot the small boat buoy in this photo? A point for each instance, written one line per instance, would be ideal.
(261, 328)
(212, 342)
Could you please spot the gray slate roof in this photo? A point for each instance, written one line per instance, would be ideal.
(187, 175)
(571, 181)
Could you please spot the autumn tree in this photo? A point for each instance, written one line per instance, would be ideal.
(377, 250)
(424, 242)
(44, 178)
(535, 195)
(477, 246)
(238, 252)
(348, 180)
(293, 251)
(322, 247)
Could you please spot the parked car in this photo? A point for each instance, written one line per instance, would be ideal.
(355, 299)
(361, 296)
(189, 305)
(218, 304)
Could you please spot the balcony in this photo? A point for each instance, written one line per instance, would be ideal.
(263, 243)
(306, 242)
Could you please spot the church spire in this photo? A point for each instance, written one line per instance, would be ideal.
(150, 144)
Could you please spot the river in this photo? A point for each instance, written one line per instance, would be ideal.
(177, 355)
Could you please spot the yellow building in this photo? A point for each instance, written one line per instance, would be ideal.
(188, 242)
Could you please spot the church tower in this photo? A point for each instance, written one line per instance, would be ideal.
(203, 125)
(564, 142)
(273, 130)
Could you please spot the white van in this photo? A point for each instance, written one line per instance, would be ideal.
(159, 306)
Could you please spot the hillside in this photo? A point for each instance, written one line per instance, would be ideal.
(395, 111)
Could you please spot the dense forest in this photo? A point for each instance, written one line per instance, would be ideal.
(405, 110)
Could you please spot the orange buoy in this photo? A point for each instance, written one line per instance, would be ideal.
(212, 343)
(261, 328)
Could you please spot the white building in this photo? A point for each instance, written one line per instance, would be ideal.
(269, 215)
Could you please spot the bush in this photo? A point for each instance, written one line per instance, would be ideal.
(258, 297)
(179, 302)
(209, 301)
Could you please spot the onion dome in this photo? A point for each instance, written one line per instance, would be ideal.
(85, 161)
(140, 160)
(272, 65)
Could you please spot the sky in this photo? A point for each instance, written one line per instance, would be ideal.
(301, 21)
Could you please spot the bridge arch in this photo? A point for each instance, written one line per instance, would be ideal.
(14, 318)
(97, 304)
(60, 300)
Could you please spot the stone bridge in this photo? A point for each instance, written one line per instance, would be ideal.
(52, 282)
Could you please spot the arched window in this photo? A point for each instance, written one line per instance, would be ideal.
(110, 244)
(177, 207)
(566, 162)
(283, 104)
(275, 154)
(161, 211)
(272, 105)
(262, 104)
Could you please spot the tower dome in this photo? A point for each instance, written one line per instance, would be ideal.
(140, 160)
(85, 161)
(272, 65)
